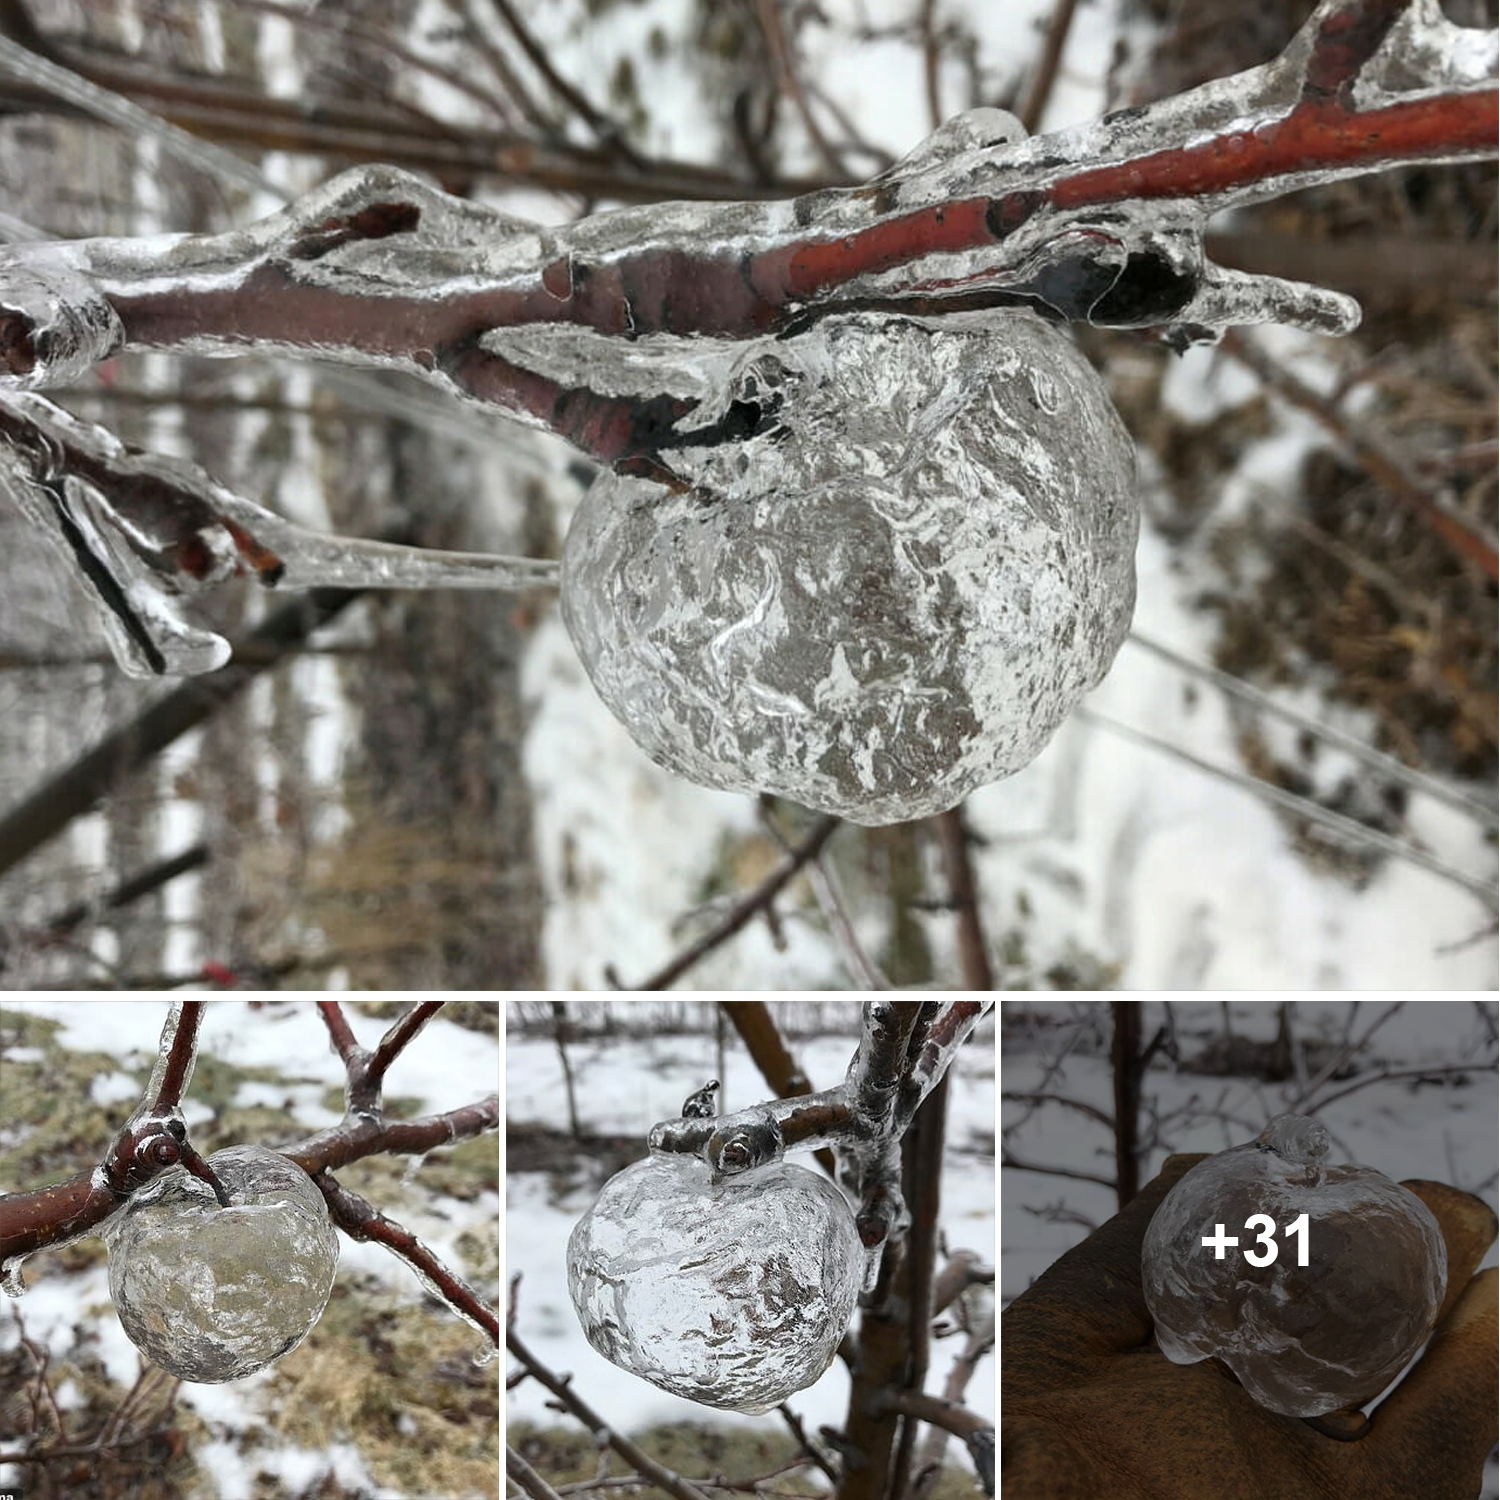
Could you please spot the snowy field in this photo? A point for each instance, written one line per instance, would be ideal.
(1446, 1132)
(625, 1086)
(286, 1043)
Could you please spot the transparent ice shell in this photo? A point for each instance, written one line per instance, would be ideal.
(734, 1295)
(213, 1294)
(893, 592)
(1309, 1340)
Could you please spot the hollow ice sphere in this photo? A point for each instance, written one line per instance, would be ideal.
(213, 1294)
(893, 592)
(1303, 1340)
(733, 1295)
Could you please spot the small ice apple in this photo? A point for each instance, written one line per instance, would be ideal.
(733, 1294)
(213, 1294)
(892, 591)
(1303, 1340)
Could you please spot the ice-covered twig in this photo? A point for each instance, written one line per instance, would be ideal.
(1102, 222)
(176, 1055)
(361, 1220)
(366, 1070)
(357, 1137)
(561, 1387)
(141, 531)
(863, 1119)
(151, 1140)
(949, 1030)
(154, 1138)
(614, 332)
(777, 1066)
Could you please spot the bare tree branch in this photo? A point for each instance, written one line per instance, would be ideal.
(361, 1220)
(561, 1387)
(973, 951)
(1385, 1075)
(745, 908)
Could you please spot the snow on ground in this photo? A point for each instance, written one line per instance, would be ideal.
(625, 1086)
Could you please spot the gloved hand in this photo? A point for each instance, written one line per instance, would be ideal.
(1090, 1408)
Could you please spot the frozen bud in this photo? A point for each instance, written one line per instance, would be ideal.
(213, 1294)
(892, 592)
(55, 323)
(1303, 1340)
(732, 1294)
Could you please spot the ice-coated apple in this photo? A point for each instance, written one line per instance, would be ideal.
(1303, 1340)
(732, 1294)
(210, 1293)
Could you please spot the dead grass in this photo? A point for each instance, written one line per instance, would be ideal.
(561, 1455)
(379, 1370)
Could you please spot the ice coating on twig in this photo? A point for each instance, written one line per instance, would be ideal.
(55, 322)
(619, 331)
(891, 591)
(144, 533)
(215, 1294)
(734, 1294)
(169, 1028)
(1303, 1340)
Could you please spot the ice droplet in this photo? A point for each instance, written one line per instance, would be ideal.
(1303, 1340)
(485, 1354)
(733, 1294)
(892, 592)
(213, 1294)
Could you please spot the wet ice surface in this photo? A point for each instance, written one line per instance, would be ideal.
(215, 1294)
(139, 514)
(890, 594)
(1302, 1340)
(735, 1295)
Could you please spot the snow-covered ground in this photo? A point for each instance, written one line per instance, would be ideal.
(627, 1085)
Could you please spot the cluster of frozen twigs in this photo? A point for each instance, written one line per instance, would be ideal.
(138, 1438)
(155, 1137)
(904, 1051)
(616, 331)
(884, 1125)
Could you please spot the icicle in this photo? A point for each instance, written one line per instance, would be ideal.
(163, 1050)
(12, 1283)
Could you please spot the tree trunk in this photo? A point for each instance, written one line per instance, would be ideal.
(1125, 1055)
